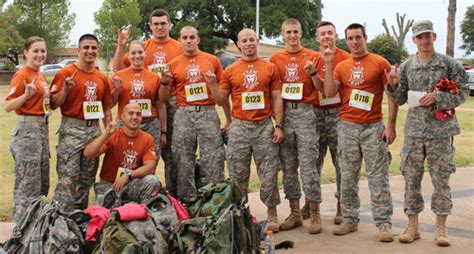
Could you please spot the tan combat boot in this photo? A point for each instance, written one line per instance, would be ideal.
(315, 218)
(338, 218)
(272, 219)
(411, 232)
(441, 236)
(345, 228)
(385, 234)
(294, 219)
(305, 210)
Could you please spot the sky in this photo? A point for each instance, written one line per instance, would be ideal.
(341, 13)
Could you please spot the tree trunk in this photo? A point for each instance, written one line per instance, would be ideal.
(451, 28)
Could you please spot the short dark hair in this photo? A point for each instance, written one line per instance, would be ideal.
(324, 23)
(355, 26)
(88, 37)
(159, 13)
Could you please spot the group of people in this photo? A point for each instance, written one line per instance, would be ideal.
(167, 91)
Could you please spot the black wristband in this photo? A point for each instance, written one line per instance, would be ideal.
(164, 132)
(278, 126)
(312, 74)
(163, 84)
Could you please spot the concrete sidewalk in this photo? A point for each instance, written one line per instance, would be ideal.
(460, 223)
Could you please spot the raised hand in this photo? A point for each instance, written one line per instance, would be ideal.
(309, 66)
(166, 75)
(111, 127)
(69, 81)
(328, 56)
(117, 82)
(30, 89)
(123, 35)
(209, 75)
(393, 76)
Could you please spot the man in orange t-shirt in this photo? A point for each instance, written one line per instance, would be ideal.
(296, 65)
(160, 50)
(196, 118)
(327, 110)
(360, 80)
(131, 152)
(254, 86)
(83, 94)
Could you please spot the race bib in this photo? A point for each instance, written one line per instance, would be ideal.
(292, 91)
(196, 92)
(92, 110)
(145, 106)
(328, 101)
(253, 100)
(361, 99)
(157, 68)
(46, 106)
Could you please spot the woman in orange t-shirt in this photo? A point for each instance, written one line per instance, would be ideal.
(136, 84)
(29, 98)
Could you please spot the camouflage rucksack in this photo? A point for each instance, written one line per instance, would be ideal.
(164, 214)
(43, 229)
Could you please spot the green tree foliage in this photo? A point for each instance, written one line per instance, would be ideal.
(221, 20)
(387, 47)
(113, 15)
(11, 42)
(49, 19)
(467, 30)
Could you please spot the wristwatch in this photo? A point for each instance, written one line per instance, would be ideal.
(279, 126)
(129, 174)
(312, 74)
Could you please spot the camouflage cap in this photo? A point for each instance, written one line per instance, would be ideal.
(422, 26)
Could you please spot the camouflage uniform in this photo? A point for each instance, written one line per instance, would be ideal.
(193, 124)
(30, 151)
(153, 127)
(354, 142)
(76, 173)
(427, 138)
(139, 190)
(300, 147)
(171, 176)
(247, 138)
(326, 126)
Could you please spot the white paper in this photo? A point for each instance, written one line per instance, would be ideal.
(414, 98)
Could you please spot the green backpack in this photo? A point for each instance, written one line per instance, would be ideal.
(220, 223)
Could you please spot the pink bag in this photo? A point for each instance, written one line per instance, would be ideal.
(179, 208)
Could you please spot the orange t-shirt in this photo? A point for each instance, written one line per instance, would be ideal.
(362, 85)
(250, 84)
(158, 54)
(126, 152)
(138, 85)
(34, 105)
(339, 56)
(90, 86)
(188, 78)
(291, 68)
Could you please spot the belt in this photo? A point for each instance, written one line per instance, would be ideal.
(263, 121)
(327, 111)
(80, 122)
(32, 119)
(295, 104)
(198, 108)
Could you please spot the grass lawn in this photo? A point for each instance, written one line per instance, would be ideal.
(464, 155)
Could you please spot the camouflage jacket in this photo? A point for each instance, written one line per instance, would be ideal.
(418, 76)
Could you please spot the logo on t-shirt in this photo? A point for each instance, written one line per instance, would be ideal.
(357, 75)
(194, 74)
(291, 74)
(138, 88)
(160, 57)
(250, 77)
(91, 91)
(130, 159)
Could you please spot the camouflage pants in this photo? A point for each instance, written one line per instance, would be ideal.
(193, 125)
(439, 154)
(326, 125)
(171, 176)
(30, 151)
(139, 190)
(300, 147)
(151, 126)
(357, 142)
(76, 173)
(247, 138)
